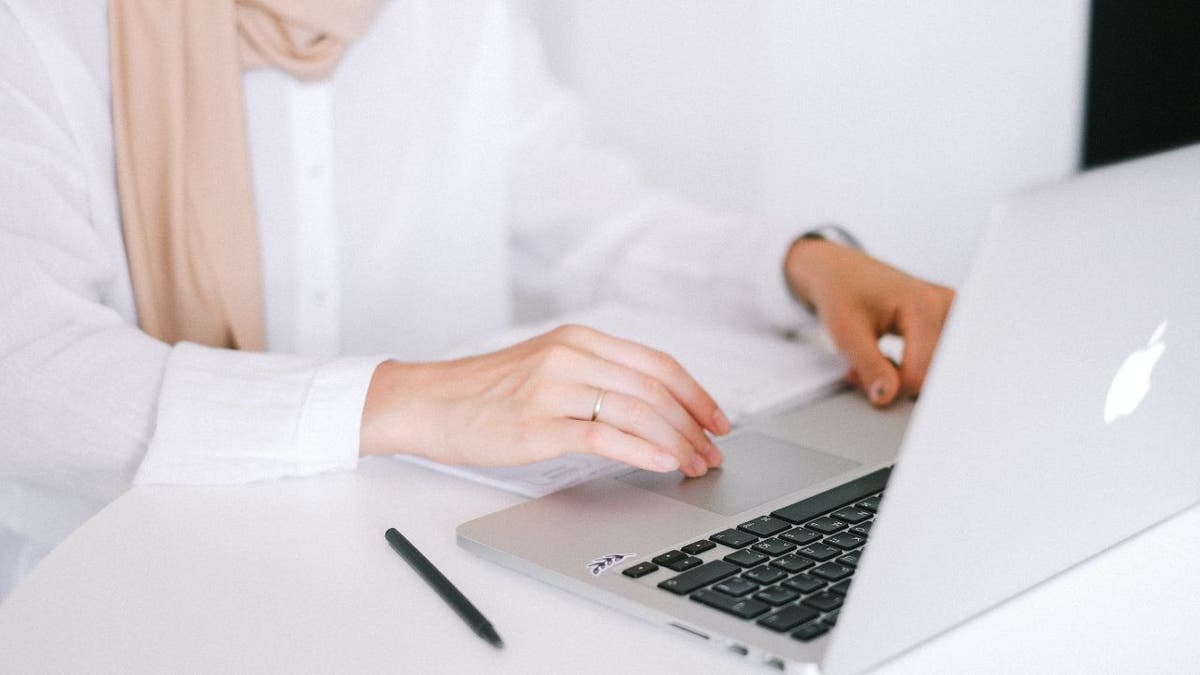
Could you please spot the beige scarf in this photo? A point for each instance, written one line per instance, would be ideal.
(183, 171)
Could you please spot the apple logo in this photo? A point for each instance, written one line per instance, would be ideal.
(1132, 381)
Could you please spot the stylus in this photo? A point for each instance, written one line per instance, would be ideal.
(478, 622)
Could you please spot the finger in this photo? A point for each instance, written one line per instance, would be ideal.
(919, 342)
(635, 417)
(851, 377)
(592, 370)
(855, 338)
(682, 386)
(607, 441)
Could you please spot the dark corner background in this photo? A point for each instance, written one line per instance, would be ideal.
(1143, 89)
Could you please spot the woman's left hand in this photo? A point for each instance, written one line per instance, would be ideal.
(860, 299)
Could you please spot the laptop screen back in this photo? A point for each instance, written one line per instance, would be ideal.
(1064, 391)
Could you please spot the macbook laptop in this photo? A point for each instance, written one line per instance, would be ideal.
(1058, 418)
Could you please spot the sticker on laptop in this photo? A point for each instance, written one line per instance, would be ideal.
(602, 564)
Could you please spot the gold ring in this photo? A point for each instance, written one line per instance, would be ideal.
(599, 401)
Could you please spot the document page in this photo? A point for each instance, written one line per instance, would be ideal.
(748, 373)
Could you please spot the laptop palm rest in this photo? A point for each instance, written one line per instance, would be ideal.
(757, 469)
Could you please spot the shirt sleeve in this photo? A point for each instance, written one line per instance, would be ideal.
(588, 229)
(232, 417)
(89, 401)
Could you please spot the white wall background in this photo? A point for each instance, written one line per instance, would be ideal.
(902, 120)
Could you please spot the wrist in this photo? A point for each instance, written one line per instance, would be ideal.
(388, 426)
(810, 256)
(807, 260)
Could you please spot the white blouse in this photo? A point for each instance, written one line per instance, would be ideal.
(439, 182)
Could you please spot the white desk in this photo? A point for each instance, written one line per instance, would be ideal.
(295, 576)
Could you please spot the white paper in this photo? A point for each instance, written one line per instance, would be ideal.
(747, 373)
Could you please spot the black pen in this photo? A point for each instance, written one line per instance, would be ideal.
(452, 596)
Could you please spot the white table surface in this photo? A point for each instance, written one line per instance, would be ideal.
(295, 576)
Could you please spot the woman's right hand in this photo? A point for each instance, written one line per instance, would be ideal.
(534, 401)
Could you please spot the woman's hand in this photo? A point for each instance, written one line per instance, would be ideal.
(860, 299)
(534, 401)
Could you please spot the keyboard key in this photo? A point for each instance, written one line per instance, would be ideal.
(848, 493)
(825, 525)
(746, 608)
(640, 570)
(765, 526)
(686, 564)
(765, 575)
(851, 514)
(696, 548)
(734, 538)
(833, 571)
(801, 536)
(840, 587)
(774, 547)
(709, 572)
(811, 631)
(788, 618)
(843, 540)
(831, 618)
(792, 563)
(804, 583)
(736, 587)
(777, 595)
(819, 552)
(746, 558)
(826, 602)
(870, 503)
(862, 529)
(668, 558)
(850, 559)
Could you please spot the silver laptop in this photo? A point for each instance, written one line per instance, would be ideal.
(1063, 391)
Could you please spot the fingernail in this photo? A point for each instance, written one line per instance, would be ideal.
(699, 466)
(665, 462)
(720, 422)
(879, 390)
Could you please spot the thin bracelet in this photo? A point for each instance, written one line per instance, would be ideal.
(835, 234)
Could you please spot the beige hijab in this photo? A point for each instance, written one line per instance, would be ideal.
(183, 173)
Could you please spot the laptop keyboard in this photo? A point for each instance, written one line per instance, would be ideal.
(788, 570)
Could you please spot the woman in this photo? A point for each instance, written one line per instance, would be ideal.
(194, 258)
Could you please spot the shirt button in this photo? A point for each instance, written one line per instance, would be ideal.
(318, 298)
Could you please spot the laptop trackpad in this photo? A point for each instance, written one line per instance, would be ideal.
(757, 469)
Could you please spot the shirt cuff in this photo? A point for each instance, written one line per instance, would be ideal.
(776, 303)
(235, 417)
